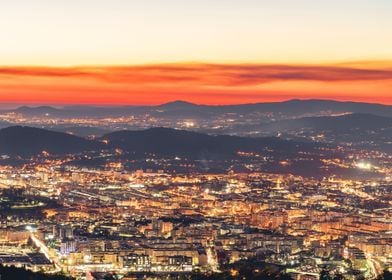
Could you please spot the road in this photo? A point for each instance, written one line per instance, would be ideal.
(212, 258)
(45, 250)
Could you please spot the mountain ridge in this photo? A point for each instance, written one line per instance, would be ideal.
(185, 104)
(29, 141)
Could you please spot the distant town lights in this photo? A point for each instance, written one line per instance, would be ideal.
(30, 228)
(189, 124)
(364, 165)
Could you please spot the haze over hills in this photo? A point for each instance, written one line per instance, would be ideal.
(364, 125)
(290, 108)
(202, 151)
(171, 142)
(29, 141)
(362, 130)
(346, 122)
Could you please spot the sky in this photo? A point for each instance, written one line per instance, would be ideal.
(205, 51)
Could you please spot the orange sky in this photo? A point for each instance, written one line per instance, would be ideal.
(199, 83)
(243, 51)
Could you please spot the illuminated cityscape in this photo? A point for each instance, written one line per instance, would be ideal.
(113, 207)
(196, 140)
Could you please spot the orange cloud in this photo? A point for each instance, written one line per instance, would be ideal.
(201, 83)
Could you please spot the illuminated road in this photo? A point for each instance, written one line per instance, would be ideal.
(375, 268)
(45, 250)
(212, 259)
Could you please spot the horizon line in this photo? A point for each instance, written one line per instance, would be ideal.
(13, 105)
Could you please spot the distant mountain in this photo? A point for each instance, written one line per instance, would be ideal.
(178, 104)
(208, 152)
(222, 152)
(28, 141)
(298, 107)
(347, 122)
(179, 109)
(293, 107)
(172, 142)
(365, 131)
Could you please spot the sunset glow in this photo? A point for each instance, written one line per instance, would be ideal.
(150, 52)
(199, 83)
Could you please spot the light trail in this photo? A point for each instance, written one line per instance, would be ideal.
(45, 250)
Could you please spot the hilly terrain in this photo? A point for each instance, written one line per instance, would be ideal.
(178, 150)
(28, 141)
(166, 141)
(279, 110)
